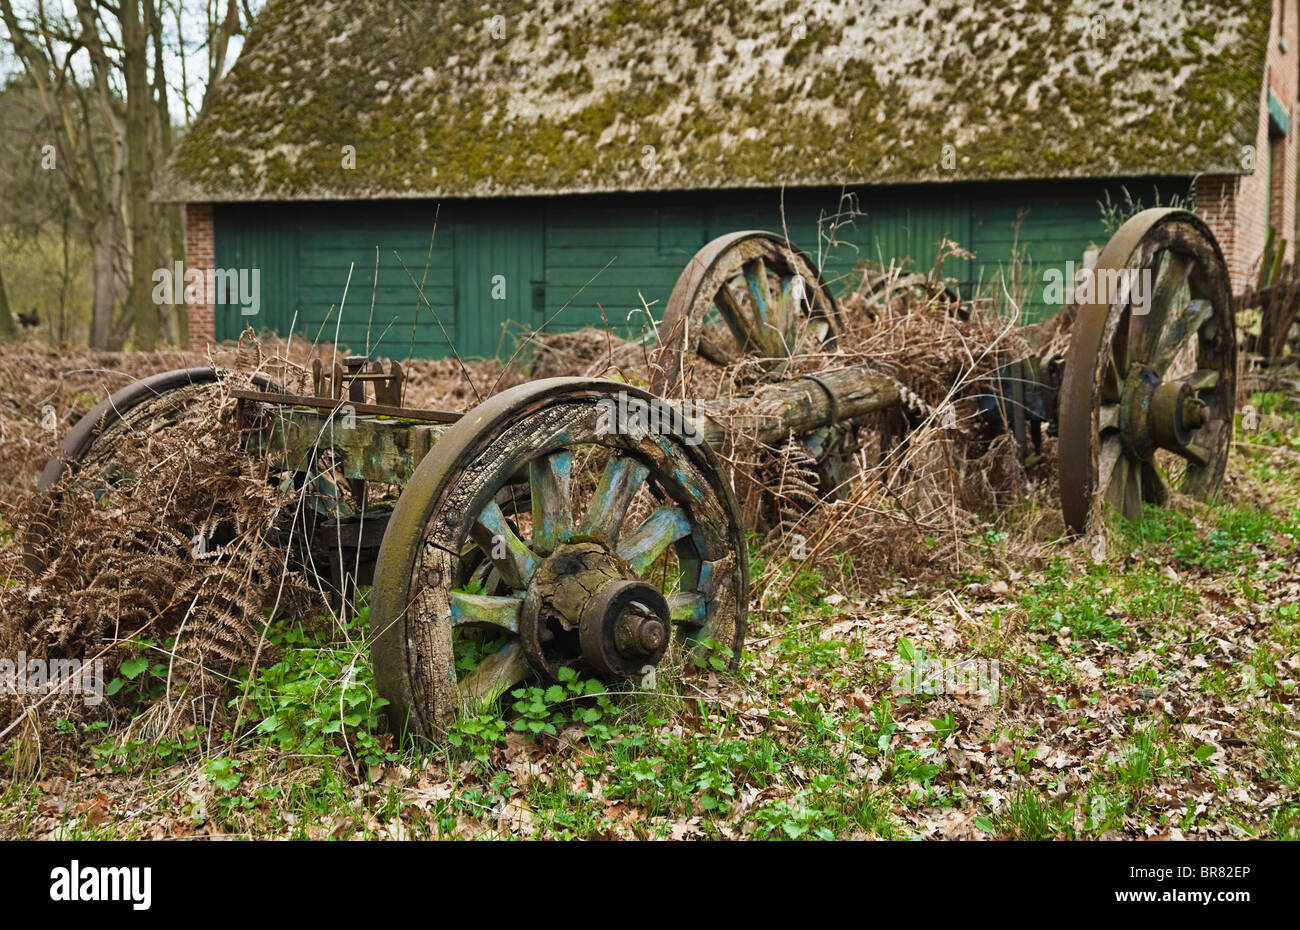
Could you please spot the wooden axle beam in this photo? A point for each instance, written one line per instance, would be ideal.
(381, 443)
(801, 405)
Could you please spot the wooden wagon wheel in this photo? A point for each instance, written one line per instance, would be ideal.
(880, 288)
(142, 405)
(92, 448)
(752, 297)
(615, 534)
(744, 295)
(98, 454)
(1149, 386)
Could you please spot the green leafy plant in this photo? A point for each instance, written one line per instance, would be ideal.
(320, 699)
(545, 710)
(711, 654)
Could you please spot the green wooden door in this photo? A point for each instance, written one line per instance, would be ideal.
(500, 277)
(345, 271)
(356, 265)
(251, 240)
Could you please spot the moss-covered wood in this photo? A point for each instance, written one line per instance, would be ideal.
(772, 412)
(386, 98)
(370, 448)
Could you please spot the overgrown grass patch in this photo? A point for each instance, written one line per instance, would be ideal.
(1149, 692)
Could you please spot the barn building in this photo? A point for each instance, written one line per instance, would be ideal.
(566, 157)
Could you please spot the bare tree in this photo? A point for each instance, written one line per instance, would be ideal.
(221, 28)
(7, 327)
(81, 121)
(141, 310)
(105, 104)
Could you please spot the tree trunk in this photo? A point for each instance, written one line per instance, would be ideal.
(169, 233)
(135, 54)
(220, 29)
(7, 328)
(103, 276)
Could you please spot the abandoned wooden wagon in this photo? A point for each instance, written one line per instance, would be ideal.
(582, 522)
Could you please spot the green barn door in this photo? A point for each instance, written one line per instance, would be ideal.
(249, 240)
(500, 277)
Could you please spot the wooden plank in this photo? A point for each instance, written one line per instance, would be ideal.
(386, 451)
(325, 403)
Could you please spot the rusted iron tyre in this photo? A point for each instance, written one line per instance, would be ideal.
(616, 537)
(1149, 386)
(747, 294)
(133, 411)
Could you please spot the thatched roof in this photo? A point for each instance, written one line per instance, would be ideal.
(443, 99)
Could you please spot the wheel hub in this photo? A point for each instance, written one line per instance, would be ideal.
(585, 603)
(624, 627)
(1157, 414)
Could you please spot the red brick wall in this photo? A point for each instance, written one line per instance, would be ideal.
(1238, 208)
(1284, 78)
(200, 252)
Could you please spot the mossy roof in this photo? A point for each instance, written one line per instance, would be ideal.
(445, 99)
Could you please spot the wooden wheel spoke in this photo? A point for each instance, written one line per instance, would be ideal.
(1154, 489)
(1107, 417)
(1146, 329)
(1195, 454)
(485, 610)
(1108, 461)
(1115, 487)
(1203, 379)
(1112, 381)
(1124, 490)
(712, 352)
(493, 534)
(1182, 328)
(788, 312)
(648, 541)
(738, 321)
(479, 578)
(485, 577)
(688, 607)
(548, 480)
(1133, 490)
(619, 482)
(491, 678)
(761, 293)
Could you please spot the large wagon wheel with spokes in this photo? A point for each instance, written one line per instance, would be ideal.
(94, 451)
(547, 529)
(915, 288)
(100, 457)
(1149, 386)
(745, 295)
(752, 302)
